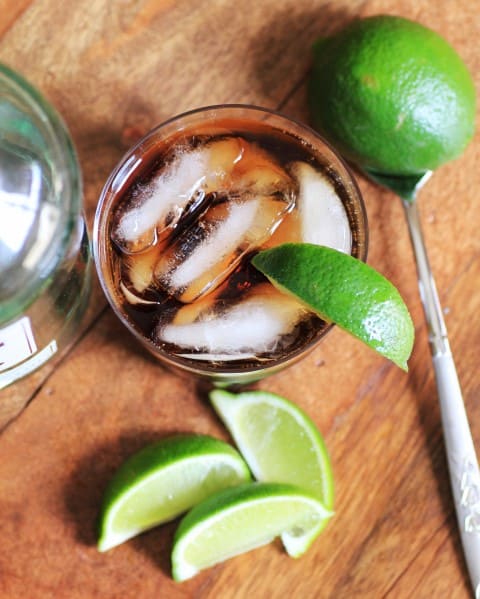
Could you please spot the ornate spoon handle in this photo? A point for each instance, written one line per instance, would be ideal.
(461, 457)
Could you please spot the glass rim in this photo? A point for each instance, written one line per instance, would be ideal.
(214, 371)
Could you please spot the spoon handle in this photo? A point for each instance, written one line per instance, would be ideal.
(461, 457)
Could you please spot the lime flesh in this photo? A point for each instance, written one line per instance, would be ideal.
(237, 520)
(280, 444)
(164, 480)
(277, 439)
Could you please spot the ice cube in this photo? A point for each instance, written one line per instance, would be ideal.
(134, 299)
(139, 268)
(323, 218)
(179, 189)
(253, 326)
(203, 256)
(242, 355)
(259, 173)
(223, 156)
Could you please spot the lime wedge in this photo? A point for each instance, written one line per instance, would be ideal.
(280, 444)
(164, 480)
(343, 290)
(237, 520)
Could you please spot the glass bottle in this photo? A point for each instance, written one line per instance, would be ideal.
(44, 247)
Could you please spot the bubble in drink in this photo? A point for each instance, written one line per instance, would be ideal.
(184, 224)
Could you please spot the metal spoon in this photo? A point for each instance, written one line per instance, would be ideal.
(461, 457)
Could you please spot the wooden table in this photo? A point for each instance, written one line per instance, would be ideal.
(115, 68)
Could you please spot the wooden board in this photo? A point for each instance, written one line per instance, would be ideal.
(115, 69)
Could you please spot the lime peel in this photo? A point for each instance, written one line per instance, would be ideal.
(343, 290)
(237, 520)
(163, 480)
(280, 444)
(392, 95)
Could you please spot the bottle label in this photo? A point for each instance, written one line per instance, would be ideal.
(18, 351)
(17, 343)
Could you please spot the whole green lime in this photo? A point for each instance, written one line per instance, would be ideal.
(392, 95)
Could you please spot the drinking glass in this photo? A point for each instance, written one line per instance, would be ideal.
(286, 139)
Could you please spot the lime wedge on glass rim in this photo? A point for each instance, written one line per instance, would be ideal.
(237, 520)
(281, 444)
(163, 480)
(343, 290)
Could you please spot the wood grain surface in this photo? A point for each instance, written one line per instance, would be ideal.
(115, 68)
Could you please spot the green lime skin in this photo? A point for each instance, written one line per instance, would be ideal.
(392, 95)
(163, 480)
(345, 291)
(278, 440)
(237, 520)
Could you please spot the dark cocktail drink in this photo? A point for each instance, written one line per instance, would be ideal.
(184, 212)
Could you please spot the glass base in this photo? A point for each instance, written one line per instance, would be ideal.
(49, 325)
